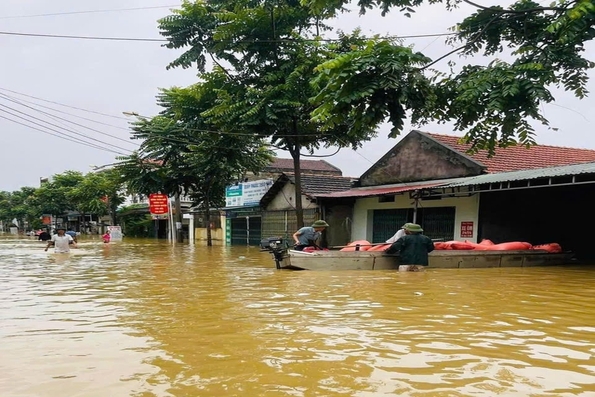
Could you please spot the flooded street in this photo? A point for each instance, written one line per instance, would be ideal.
(143, 318)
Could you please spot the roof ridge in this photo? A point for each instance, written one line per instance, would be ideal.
(537, 144)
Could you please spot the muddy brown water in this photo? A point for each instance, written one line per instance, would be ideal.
(143, 318)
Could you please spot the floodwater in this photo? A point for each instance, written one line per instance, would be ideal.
(142, 318)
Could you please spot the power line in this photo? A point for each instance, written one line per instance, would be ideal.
(67, 138)
(68, 121)
(62, 104)
(140, 39)
(54, 125)
(86, 12)
(64, 112)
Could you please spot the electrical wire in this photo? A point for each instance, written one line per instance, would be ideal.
(62, 104)
(67, 113)
(72, 122)
(54, 125)
(87, 12)
(141, 39)
(67, 138)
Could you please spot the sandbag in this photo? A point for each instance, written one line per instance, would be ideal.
(553, 248)
(364, 246)
(380, 247)
(485, 241)
(313, 249)
(457, 245)
(511, 246)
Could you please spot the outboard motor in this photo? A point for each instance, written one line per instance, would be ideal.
(276, 246)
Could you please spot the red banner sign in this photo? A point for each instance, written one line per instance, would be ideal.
(467, 229)
(158, 204)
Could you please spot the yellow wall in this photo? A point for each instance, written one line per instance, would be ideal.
(216, 235)
(466, 209)
(285, 200)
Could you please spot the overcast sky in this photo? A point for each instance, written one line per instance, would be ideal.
(111, 77)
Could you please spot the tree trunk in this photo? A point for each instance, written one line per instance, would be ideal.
(178, 218)
(208, 220)
(299, 211)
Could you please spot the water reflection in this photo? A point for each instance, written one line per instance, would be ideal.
(143, 318)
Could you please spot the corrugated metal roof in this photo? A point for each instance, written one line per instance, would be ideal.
(388, 189)
(565, 170)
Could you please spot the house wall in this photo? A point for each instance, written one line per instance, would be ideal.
(466, 210)
(285, 200)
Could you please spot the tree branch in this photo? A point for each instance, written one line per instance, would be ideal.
(492, 8)
(477, 37)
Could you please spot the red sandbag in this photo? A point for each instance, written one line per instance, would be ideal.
(553, 248)
(440, 246)
(485, 241)
(511, 246)
(313, 249)
(457, 245)
(364, 246)
(380, 247)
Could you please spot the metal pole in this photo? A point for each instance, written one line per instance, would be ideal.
(415, 206)
(191, 230)
(247, 230)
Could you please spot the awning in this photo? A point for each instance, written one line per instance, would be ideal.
(381, 191)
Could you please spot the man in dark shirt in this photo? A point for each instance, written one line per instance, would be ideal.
(413, 248)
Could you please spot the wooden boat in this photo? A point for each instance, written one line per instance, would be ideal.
(451, 259)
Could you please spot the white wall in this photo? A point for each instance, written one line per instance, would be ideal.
(466, 210)
(285, 200)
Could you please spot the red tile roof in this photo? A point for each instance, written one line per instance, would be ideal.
(306, 165)
(516, 158)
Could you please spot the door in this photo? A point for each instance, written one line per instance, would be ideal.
(438, 223)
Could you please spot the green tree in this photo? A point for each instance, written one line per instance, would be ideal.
(264, 54)
(182, 154)
(495, 105)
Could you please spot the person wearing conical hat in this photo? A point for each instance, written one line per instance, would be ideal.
(308, 235)
(398, 234)
(413, 248)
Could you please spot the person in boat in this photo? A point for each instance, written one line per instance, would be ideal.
(307, 236)
(413, 248)
(61, 241)
(397, 235)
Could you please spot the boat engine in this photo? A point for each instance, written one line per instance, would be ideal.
(276, 246)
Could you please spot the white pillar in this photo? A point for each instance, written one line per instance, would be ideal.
(191, 230)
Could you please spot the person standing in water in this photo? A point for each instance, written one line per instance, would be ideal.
(106, 237)
(413, 249)
(61, 242)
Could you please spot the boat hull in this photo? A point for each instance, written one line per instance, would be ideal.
(363, 260)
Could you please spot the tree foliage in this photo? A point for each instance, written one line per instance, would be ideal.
(496, 104)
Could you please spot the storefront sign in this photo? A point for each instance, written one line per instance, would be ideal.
(466, 229)
(158, 204)
(246, 193)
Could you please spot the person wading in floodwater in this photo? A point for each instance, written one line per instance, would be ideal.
(413, 248)
(61, 242)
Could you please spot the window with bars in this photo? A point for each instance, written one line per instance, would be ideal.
(438, 223)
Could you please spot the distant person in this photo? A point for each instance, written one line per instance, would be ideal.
(307, 236)
(413, 249)
(398, 234)
(106, 237)
(44, 236)
(72, 234)
(61, 242)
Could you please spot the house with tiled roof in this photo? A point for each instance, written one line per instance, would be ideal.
(278, 205)
(246, 219)
(519, 194)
